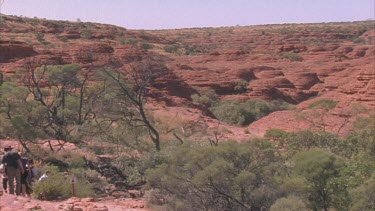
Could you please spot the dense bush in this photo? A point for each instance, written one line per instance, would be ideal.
(324, 103)
(322, 172)
(237, 113)
(294, 142)
(291, 56)
(205, 97)
(171, 48)
(291, 203)
(128, 41)
(364, 196)
(331, 168)
(230, 176)
(146, 46)
(57, 186)
(240, 86)
(189, 49)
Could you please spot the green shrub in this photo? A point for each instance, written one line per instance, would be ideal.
(135, 167)
(240, 86)
(293, 142)
(322, 171)
(171, 48)
(363, 196)
(85, 179)
(62, 38)
(324, 103)
(291, 56)
(230, 176)
(291, 203)
(189, 49)
(128, 41)
(231, 112)
(74, 160)
(237, 113)
(86, 33)
(205, 97)
(34, 22)
(56, 186)
(146, 46)
(358, 40)
(40, 38)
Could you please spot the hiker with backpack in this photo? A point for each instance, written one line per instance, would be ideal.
(14, 169)
(25, 189)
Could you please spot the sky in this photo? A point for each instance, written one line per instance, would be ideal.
(170, 14)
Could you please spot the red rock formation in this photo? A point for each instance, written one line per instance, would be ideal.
(337, 58)
(12, 50)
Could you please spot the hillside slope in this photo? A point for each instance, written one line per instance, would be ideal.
(297, 63)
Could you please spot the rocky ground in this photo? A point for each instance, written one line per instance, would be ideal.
(19, 203)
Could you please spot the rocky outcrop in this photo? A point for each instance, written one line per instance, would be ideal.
(70, 34)
(292, 48)
(13, 50)
(303, 80)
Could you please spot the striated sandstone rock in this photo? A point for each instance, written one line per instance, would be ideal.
(69, 34)
(303, 80)
(292, 48)
(12, 50)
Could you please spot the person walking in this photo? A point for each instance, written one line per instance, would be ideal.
(14, 169)
(24, 175)
(32, 173)
(4, 178)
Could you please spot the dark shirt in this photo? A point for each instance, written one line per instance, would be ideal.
(24, 161)
(11, 158)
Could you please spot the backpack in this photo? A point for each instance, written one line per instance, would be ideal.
(11, 159)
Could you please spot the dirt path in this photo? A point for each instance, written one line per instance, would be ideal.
(20, 203)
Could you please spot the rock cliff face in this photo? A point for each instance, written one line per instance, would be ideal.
(11, 51)
(298, 63)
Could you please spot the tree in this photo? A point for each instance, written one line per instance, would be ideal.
(359, 148)
(57, 105)
(322, 170)
(13, 102)
(293, 142)
(244, 113)
(126, 95)
(291, 203)
(230, 176)
(364, 196)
